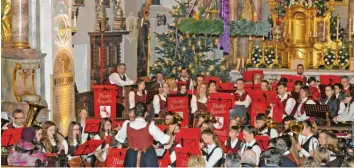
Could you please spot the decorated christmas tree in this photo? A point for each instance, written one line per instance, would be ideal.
(189, 43)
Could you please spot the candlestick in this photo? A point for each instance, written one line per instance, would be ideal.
(74, 20)
(353, 25)
(324, 30)
(314, 26)
(263, 37)
(350, 29)
(337, 28)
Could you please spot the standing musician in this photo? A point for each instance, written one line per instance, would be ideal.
(300, 71)
(262, 127)
(250, 142)
(307, 142)
(200, 79)
(52, 144)
(233, 144)
(184, 77)
(214, 152)
(138, 95)
(241, 97)
(286, 123)
(141, 134)
(120, 78)
(299, 109)
(18, 120)
(160, 102)
(286, 100)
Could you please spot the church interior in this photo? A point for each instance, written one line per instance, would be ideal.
(225, 69)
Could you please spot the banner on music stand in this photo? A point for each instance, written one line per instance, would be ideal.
(104, 97)
(220, 110)
(179, 104)
(115, 157)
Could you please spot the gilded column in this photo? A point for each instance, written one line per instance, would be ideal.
(19, 23)
(351, 21)
(233, 40)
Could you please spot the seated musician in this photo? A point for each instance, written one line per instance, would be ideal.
(329, 140)
(182, 90)
(284, 144)
(52, 143)
(214, 152)
(249, 133)
(18, 120)
(262, 127)
(138, 95)
(339, 91)
(81, 119)
(236, 121)
(199, 101)
(265, 85)
(348, 112)
(25, 153)
(175, 120)
(207, 124)
(185, 77)
(286, 122)
(345, 81)
(140, 136)
(241, 96)
(297, 86)
(312, 82)
(200, 80)
(74, 137)
(307, 142)
(160, 101)
(287, 101)
(331, 100)
(212, 87)
(233, 144)
(39, 135)
(299, 109)
(120, 78)
(160, 80)
(201, 118)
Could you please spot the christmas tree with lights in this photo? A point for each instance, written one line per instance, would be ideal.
(189, 43)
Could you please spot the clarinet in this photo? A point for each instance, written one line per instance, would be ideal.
(55, 148)
(78, 140)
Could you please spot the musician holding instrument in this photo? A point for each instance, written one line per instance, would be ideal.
(249, 133)
(307, 142)
(51, 140)
(262, 127)
(233, 144)
(304, 98)
(286, 100)
(120, 78)
(160, 102)
(140, 136)
(18, 120)
(214, 152)
(74, 137)
(39, 135)
(286, 123)
(175, 120)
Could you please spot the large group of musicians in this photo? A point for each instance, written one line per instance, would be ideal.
(296, 141)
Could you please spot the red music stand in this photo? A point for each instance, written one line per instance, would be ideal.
(182, 155)
(262, 141)
(104, 97)
(88, 147)
(115, 157)
(92, 125)
(180, 105)
(163, 157)
(214, 78)
(191, 92)
(11, 136)
(249, 75)
(329, 79)
(225, 87)
(223, 96)
(162, 127)
(292, 78)
(188, 137)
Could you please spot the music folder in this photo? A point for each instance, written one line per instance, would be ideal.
(88, 147)
(92, 125)
(11, 136)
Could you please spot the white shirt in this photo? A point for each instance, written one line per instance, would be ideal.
(273, 132)
(312, 145)
(84, 136)
(173, 156)
(256, 149)
(132, 98)
(347, 114)
(290, 104)
(140, 123)
(114, 78)
(215, 157)
(233, 143)
(191, 83)
(63, 142)
(194, 102)
(156, 102)
(298, 115)
(246, 102)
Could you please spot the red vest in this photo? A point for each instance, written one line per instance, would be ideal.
(139, 139)
(140, 98)
(202, 107)
(240, 97)
(163, 105)
(302, 107)
(188, 81)
(284, 102)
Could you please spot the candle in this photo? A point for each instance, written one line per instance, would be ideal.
(353, 25)
(324, 30)
(74, 20)
(314, 26)
(337, 28)
(350, 29)
(263, 37)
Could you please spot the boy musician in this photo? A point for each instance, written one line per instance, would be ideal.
(262, 127)
(184, 77)
(233, 144)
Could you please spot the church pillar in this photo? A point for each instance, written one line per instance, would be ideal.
(351, 17)
(19, 23)
(63, 69)
(233, 40)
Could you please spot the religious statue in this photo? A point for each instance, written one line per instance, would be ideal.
(118, 17)
(6, 20)
(101, 14)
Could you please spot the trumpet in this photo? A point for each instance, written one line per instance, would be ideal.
(270, 123)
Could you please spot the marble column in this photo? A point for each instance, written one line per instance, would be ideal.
(19, 23)
(233, 40)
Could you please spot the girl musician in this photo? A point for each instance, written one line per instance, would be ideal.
(265, 85)
(160, 101)
(348, 113)
(331, 100)
(307, 142)
(198, 102)
(212, 87)
(312, 82)
(262, 127)
(176, 119)
(52, 144)
(81, 119)
(140, 136)
(39, 135)
(214, 153)
(182, 90)
(139, 95)
(233, 144)
(299, 109)
(74, 137)
(339, 91)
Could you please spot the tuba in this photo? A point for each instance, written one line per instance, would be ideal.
(32, 113)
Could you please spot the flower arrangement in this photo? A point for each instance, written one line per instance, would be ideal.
(269, 56)
(256, 55)
(329, 57)
(343, 57)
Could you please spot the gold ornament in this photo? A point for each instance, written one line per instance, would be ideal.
(193, 71)
(222, 67)
(211, 67)
(188, 35)
(184, 48)
(208, 73)
(199, 43)
(160, 44)
(190, 66)
(174, 71)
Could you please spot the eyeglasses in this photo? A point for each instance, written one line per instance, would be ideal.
(19, 118)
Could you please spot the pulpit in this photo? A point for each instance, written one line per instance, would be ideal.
(112, 58)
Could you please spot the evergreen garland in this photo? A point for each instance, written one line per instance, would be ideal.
(256, 55)
(321, 7)
(247, 28)
(329, 57)
(333, 29)
(343, 57)
(269, 56)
